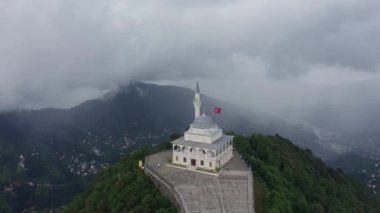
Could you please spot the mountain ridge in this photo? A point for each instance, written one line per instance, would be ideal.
(63, 145)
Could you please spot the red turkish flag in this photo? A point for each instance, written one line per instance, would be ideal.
(217, 110)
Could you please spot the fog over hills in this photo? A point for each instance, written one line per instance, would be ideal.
(312, 62)
(70, 95)
(61, 145)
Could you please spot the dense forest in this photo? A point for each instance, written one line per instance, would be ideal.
(287, 179)
(291, 179)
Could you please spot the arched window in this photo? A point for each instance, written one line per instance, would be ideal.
(201, 152)
(177, 148)
(185, 149)
(210, 154)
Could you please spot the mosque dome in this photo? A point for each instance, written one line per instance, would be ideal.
(203, 122)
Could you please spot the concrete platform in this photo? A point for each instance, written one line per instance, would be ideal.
(230, 191)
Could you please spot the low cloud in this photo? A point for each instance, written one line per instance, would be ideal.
(58, 53)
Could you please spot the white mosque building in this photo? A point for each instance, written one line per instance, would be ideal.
(204, 146)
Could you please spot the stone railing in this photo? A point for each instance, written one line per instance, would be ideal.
(165, 187)
(251, 196)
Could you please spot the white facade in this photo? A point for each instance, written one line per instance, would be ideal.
(194, 156)
(203, 135)
(203, 145)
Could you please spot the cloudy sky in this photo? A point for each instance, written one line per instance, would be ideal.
(267, 54)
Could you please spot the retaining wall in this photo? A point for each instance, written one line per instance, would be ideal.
(165, 188)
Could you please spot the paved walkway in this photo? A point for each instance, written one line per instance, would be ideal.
(231, 191)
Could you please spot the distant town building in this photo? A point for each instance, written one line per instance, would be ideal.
(204, 145)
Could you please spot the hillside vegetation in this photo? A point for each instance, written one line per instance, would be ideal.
(291, 179)
(34, 180)
(362, 168)
(122, 188)
(287, 179)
